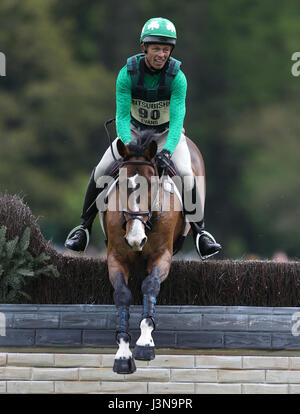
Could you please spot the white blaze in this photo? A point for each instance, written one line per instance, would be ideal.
(137, 231)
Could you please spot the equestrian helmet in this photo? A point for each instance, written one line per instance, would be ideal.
(159, 30)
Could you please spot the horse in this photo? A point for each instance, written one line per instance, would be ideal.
(138, 232)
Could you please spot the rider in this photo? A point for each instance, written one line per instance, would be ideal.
(150, 93)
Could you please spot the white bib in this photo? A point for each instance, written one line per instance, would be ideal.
(150, 113)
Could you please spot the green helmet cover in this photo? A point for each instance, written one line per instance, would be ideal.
(159, 30)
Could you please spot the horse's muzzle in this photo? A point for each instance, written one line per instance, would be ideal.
(136, 245)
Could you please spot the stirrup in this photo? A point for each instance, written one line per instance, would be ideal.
(80, 227)
(197, 240)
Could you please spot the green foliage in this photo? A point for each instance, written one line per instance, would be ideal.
(52, 109)
(17, 264)
(62, 61)
(270, 178)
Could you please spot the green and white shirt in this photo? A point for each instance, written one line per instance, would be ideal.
(149, 113)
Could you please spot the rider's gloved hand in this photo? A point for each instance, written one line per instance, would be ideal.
(163, 159)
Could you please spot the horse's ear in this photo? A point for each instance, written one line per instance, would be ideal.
(122, 149)
(151, 150)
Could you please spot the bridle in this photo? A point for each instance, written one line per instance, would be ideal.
(134, 215)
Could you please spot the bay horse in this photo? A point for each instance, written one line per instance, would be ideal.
(135, 232)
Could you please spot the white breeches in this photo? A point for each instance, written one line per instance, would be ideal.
(181, 156)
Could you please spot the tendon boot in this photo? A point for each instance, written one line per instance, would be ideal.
(78, 238)
(205, 243)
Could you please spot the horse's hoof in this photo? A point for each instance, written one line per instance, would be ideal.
(144, 353)
(124, 366)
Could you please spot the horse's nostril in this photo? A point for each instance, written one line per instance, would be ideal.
(136, 245)
(143, 242)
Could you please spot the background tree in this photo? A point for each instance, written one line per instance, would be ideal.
(62, 62)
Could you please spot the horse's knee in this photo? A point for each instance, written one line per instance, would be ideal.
(151, 284)
(122, 294)
(160, 266)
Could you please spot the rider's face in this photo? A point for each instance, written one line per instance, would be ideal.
(157, 55)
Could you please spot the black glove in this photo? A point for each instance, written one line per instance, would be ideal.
(163, 159)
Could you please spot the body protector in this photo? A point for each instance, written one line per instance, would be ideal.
(150, 107)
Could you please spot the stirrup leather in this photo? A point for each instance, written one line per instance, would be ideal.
(197, 241)
(80, 227)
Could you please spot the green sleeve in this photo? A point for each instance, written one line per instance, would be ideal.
(177, 111)
(123, 103)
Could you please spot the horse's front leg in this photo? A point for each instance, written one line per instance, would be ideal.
(124, 362)
(158, 271)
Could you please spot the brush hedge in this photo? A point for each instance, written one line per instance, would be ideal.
(84, 280)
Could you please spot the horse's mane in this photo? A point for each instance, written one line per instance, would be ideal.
(137, 148)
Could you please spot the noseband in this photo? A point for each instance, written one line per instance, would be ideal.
(134, 215)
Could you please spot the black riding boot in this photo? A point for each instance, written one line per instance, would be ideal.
(205, 243)
(78, 238)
